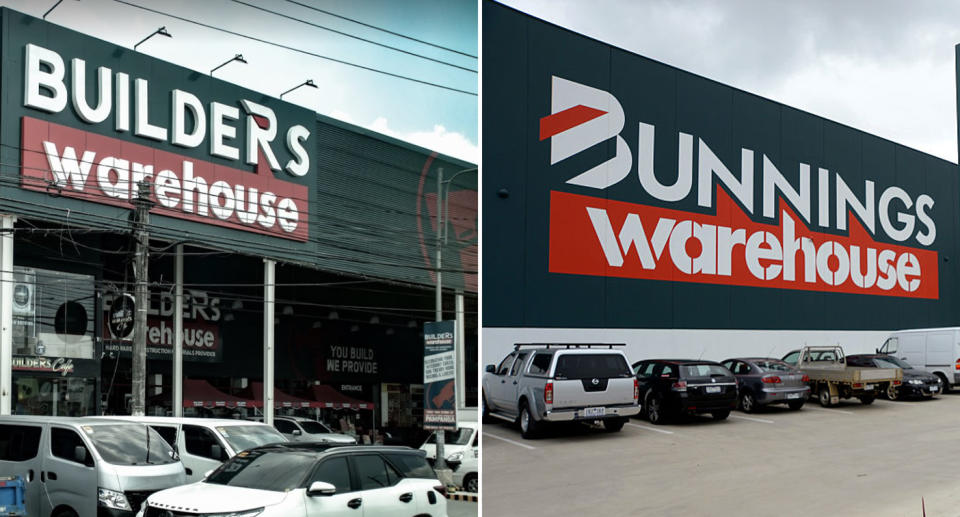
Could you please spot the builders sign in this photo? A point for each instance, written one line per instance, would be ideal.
(635, 171)
(439, 371)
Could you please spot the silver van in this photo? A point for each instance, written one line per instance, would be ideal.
(80, 467)
(205, 443)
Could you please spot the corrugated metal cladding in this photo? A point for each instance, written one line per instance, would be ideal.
(611, 161)
(370, 197)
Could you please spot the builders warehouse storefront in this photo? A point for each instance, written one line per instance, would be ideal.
(238, 178)
(686, 218)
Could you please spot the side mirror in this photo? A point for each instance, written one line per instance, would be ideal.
(321, 488)
(878, 350)
(216, 452)
(80, 454)
(297, 432)
(490, 369)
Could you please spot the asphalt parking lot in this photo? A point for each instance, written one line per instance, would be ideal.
(851, 460)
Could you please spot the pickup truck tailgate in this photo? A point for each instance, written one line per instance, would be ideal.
(592, 392)
(879, 374)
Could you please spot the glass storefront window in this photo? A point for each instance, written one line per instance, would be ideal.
(66, 396)
(53, 314)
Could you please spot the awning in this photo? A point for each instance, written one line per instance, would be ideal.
(199, 393)
(280, 399)
(328, 397)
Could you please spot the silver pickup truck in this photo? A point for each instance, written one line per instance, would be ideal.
(541, 383)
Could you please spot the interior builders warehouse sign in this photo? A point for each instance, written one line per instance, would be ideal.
(439, 371)
(77, 163)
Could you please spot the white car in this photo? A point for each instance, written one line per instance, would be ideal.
(299, 429)
(466, 469)
(310, 479)
(460, 440)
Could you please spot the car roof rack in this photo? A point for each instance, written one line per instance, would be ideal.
(518, 346)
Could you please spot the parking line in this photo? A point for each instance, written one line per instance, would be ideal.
(654, 429)
(762, 421)
(831, 410)
(518, 444)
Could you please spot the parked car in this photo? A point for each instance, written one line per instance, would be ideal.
(831, 378)
(916, 382)
(936, 351)
(204, 443)
(466, 468)
(300, 429)
(310, 479)
(464, 437)
(538, 384)
(84, 467)
(765, 381)
(675, 387)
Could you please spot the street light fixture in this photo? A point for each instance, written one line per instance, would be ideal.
(238, 57)
(161, 31)
(308, 82)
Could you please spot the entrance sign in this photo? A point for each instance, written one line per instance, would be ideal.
(439, 371)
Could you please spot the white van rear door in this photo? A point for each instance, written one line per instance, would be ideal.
(940, 348)
(911, 349)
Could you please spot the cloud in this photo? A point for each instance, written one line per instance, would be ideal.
(438, 139)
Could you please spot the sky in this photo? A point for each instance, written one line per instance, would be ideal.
(435, 118)
(882, 66)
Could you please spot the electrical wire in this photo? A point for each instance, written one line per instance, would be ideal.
(298, 50)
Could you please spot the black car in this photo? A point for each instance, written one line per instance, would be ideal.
(676, 387)
(916, 383)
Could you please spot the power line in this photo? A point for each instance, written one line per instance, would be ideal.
(294, 49)
(448, 49)
(347, 34)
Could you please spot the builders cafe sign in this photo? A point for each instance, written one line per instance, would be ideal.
(96, 120)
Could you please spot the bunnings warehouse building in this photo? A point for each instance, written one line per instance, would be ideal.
(628, 201)
(238, 178)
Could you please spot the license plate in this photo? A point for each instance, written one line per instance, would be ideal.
(594, 412)
(934, 389)
(869, 387)
(713, 389)
(793, 395)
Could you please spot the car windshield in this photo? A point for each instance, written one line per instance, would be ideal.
(703, 370)
(130, 444)
(311, 427)
(587, 366)
(459, 437)
(774, 366)
(242, 437)
(264, 470)
(892, 362)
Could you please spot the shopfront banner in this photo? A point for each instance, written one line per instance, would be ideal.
(439, 371)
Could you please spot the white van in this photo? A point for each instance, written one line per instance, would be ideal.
(933, 350)
(79, 467)
(205, 443)
(459, 441)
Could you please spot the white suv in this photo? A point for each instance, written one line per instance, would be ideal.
(310, 479)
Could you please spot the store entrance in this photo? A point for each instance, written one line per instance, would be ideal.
(55, 396)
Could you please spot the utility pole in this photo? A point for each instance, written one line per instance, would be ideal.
(141, 219)
(441, 462)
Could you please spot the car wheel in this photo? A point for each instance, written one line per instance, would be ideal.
(720, 415)
(471, 483)
(612, 425)
(747, 403)
(655, 409)
(825, 395)
(485, 409)
(65, 512)
(529, 427)
(795, 404)
(944, 384)
(892, 392)
(867, 399)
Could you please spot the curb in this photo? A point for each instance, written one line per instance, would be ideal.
(472, 498)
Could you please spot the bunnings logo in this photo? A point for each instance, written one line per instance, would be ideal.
(787, 248)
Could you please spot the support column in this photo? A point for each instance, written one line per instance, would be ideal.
(460, 386)
(269, 276)
(178, 333)
(6, 313)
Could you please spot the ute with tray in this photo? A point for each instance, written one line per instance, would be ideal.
(831, 379)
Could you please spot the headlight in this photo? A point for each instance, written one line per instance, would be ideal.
(112, 499)
(457, 456)
(915, 381)
(243, 513)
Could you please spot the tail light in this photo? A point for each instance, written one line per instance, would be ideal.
(548, 393)
(636, 389)
(679, 386)
(771, 379)
(806, 378)
(441, 489)
(896, 383)
(857, 385)
(957, 365)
